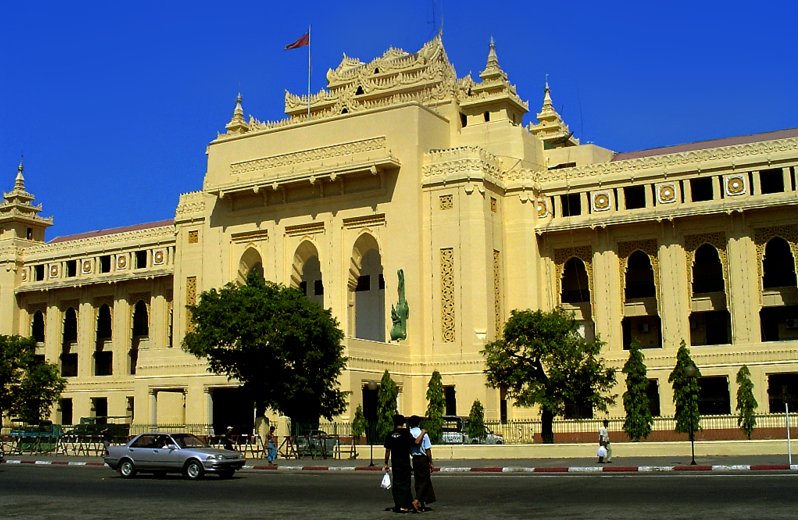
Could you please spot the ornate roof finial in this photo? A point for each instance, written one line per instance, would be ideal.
(237, 125)
(492, 69)
(550, 127)
(19, 182)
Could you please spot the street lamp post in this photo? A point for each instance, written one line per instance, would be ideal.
(371, 386)
(690, 372)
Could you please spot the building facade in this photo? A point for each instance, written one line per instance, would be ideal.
(421, 210)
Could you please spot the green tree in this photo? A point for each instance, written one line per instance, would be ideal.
(436, 406)
(285, 349)
(476, 421)
(746, 402)
(685, 391)
(639, 420)
(386, 406)
(358, 423)
(543, 360)
(28, 386)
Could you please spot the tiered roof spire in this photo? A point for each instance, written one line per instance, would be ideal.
(551, 128)
(237, 124)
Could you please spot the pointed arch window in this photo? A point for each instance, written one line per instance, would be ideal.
(367, 291)
(37, 327)
(104, 328)
(707, 271)
(575, 284)
(778, 265)
(639, 277)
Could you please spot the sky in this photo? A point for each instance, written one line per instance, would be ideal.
(112, 104)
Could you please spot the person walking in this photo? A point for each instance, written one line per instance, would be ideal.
(422, 463)
(271, 445)
(397, 449)
(604, 441)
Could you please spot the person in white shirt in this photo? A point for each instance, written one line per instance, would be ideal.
(422, 463)
(604, 440)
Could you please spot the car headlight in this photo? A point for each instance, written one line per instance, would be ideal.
(215, 457)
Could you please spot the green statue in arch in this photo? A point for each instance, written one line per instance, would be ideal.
(401, 312)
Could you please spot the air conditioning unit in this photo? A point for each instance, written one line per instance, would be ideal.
(792, 323)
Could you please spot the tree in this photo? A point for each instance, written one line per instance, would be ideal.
(685, 392)
(436, 406)
(285, 349)
(639, 420)
(386, 406)
(28, 386)
(746, 402)
(476, 421)
(543, 360)
(358, 423)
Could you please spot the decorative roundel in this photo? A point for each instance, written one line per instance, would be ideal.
(542, 209)
(85, 266)
(53, 271)
(667, 193)
(736, 185)
(157, 258)
(602, 201)
(121, 262)
(24, 276)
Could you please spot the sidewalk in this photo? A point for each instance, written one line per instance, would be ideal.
(547, 465)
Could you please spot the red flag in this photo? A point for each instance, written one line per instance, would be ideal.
(303, 41)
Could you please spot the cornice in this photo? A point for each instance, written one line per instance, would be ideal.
(99, 279)
(117, 242)
(190, 206)
(461, 164)
(695, 160)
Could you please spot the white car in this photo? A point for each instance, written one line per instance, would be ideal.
(455, 430)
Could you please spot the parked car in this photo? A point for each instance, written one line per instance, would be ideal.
(161, 453)
(455, 431)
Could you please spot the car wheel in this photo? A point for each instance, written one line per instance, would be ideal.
(127, 469)
(499, 442)
(194, 470)
(226, 474)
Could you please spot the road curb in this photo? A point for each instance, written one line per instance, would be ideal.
(470, 469)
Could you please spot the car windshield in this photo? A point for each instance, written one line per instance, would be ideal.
(186, 440)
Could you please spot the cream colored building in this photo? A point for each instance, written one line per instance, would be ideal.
(399, 165)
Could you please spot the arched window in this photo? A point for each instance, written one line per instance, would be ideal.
(367, 289)
(104, 329)
(575, 285)
(70, 325)
(306, 273)
(778, 265)
(141, 321)
(707, 271)
(639, 277)
(250, 261)
(37, 327)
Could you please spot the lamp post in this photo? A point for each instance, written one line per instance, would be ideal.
(690, 372)
(372, 387)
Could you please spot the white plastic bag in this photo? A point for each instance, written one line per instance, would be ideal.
(386, 481)
(602, 452)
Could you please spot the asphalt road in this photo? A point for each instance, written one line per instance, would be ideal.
(50, 492)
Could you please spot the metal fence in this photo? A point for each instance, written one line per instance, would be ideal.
(714, 427)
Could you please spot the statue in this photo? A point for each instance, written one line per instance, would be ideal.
(401, 312)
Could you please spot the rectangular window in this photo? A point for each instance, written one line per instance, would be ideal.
(103, 363)
(99, 409)
(571, 205)
(450, 399)
(771, 181)
(701, 189)
(71, 268)
(105, 264)
(66, 412)
(635, 197)
(653, 397)
(363, 283)
(141, 259)
(713, 396)
(69, 365)
(38, 273)
(318, 288)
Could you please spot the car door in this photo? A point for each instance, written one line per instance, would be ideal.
(144, 451)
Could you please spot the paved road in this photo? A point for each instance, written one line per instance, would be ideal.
(53, 492)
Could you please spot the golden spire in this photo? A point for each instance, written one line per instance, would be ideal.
(237, 125)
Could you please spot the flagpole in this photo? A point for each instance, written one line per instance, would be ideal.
(310, 42)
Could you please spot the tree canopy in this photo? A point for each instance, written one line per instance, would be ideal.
(746, 402)
(543, 360)
(285, 349)
(436, 406)
(387, 394)
(639, 420)
(685, 391)
(28, 385)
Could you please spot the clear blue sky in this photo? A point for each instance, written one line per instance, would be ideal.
(112, 103)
